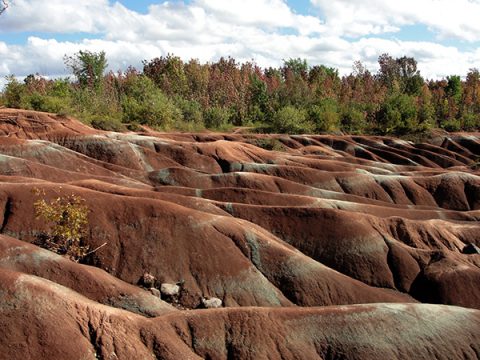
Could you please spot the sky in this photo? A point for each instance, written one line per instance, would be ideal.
(442, 35)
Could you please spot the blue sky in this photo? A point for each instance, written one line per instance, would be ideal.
(36, 34)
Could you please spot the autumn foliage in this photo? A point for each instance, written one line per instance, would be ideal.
(170, 93)
(66, 218)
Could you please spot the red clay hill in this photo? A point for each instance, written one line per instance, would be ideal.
(309, 246)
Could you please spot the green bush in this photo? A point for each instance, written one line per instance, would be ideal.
(47, 103)
(471, 122)
(133, 126)
(13, 94)
(451, 125)
(291, 120)
(398, 115)
(88, 104)
(272, 144)
(60, 88)
(107, 124)
(191, 110)
(325, 115)
(353, 121)
(216, 117)
(144, 103)
(256, 115)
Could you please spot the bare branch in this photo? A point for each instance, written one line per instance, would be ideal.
(98, 248)
(4, 7)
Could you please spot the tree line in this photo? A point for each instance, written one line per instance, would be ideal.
(169, 93)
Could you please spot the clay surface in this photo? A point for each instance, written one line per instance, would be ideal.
(316, 246)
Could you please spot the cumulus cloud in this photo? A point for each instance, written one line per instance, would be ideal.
(264, 30)
(434, 60)
(447, 18)
(54, 16)
(269, 13)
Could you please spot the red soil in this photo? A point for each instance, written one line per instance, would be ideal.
(275, 226)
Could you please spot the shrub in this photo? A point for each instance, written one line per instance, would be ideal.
(325, 115)
(353, 121)
(106, 123)
(144, 103)
(185, 126)
(133, 127)
(451, 125)
(191, 110)
(67, 217)
(256, 115)
(216, 117)
(48, 103)
(471, 122)
(398, 115)
(13, 93)
(271, 144)
(291, 120)
(60, 88)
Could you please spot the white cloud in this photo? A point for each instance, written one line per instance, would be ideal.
(208, 29)
(269, 13)
(434, 60)
(456, 19)
(54, 16)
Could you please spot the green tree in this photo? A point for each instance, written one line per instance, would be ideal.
(389, 71)
(324, 81)
(88, 67)
(426, 110)
(197, 81)
(191, 110)
(14, 92)
(454, 87)
(294, 90)
(259, 107)
(400, 74)
(168, 73)
(297, 67)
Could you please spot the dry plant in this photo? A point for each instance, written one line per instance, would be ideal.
(67, 217)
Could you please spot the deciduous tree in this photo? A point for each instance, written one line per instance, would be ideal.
(88, 67)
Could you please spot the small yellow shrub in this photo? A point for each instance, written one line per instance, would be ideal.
(68, 218)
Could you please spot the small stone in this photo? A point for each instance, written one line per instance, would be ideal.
(212, 303)
(471, 249)
(155, 292)
(148, 280)
(170, 289)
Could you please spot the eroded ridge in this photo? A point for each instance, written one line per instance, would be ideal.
(318, 246)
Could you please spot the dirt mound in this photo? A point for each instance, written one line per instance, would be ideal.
(286, 223)
(392, 331)
(25, 124)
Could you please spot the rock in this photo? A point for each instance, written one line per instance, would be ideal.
(471, 249)
(212, 303)
(155, 292)
(148, 280)
(170, 289)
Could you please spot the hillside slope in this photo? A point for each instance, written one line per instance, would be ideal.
(319, 246)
